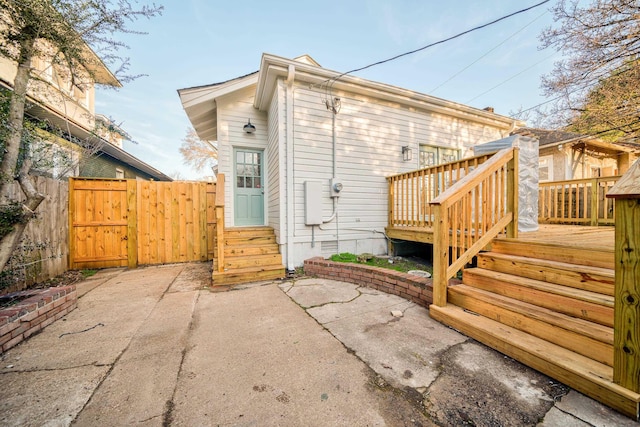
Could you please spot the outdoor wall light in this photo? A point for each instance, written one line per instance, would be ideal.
(407, 153)
(249, 128)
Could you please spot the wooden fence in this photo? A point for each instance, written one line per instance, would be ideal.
(43, 251)
(117, 223)
(577, 201)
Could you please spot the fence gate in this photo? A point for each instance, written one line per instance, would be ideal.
(120, 223)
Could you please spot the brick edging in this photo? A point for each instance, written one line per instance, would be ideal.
(31, 315)
(413, 288)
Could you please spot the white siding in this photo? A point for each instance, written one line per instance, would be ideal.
(369, 135)
(275, 157)
(233, 112)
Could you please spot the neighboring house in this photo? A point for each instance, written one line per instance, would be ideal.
(566, 155)
(70, 108)
(309, 130)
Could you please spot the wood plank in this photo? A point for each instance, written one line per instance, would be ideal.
(592, 279)
(581, 373)
(574, 302)
(132, 224)
(586, 338)
(627, 293)
(72, 219)
(555, 252)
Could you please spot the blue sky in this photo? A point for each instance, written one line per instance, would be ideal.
(198, 42)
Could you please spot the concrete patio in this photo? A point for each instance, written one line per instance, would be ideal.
(154, 346)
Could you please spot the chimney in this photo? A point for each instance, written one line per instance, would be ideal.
(489, 109)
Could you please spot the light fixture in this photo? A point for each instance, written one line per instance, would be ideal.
(249, 128)
(407, 153)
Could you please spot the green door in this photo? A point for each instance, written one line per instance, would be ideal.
(249, 187)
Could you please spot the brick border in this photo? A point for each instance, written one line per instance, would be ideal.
(31, 315)
(413, 288)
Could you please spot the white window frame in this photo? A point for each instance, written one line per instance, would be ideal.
(548, 160)
(439, 150)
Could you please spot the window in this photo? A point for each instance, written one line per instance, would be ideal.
(119, 173)
(431, 155)
(545, 168)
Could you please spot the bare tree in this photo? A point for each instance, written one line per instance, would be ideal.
(198, 153)
(77, 37)
(601, 43)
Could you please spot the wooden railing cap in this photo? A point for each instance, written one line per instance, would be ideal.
(627, 187)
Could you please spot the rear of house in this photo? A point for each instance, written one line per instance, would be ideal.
(313, 129)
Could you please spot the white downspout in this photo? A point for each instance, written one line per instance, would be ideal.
(290, 187)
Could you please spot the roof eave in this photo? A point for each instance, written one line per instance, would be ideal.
(273, 67)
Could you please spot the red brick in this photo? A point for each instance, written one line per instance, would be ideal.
(29, 316)
(4, 338)
(58, 302)
(47, 322)
(19, 330)
(6, 329)
(6, 346)
(38, 320)
(32, 330)
(45, 309)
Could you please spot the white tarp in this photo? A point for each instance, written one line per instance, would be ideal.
(528, 176)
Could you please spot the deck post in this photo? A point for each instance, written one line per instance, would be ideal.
(512, 194)
(440, 254)
(626, 362)
(220, 221)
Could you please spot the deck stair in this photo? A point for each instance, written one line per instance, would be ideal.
(250, 254)
(548, 306)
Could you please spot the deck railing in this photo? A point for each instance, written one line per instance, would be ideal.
(577, 201)
(410, 193)
(220, 222)
(469, 214)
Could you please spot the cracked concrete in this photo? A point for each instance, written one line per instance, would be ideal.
(155, 347)
(459, 381)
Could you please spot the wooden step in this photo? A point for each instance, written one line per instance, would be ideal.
(594, 279)
(248, 250)
(248, 231)
(579, 372)
(244, 261)
(587, 338)
(591, 306)
(244, 240)
(245, 275)
(573, 255)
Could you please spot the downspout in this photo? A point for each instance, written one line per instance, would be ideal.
(289, 166)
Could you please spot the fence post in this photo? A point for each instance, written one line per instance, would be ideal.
(220, 221)
(72, 230)
(132, 223)
(626, 362)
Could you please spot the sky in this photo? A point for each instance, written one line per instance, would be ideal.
(200, 42)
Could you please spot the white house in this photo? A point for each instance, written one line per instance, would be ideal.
(312, 128)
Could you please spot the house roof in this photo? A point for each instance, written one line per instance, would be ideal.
(551, 138)
(200, 102)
